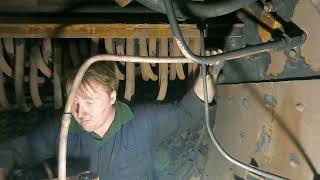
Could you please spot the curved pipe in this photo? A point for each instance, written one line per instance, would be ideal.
(76, 83)
(215, 59)
(212, 136)
(221, 57)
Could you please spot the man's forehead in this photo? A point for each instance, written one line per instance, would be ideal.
(90, 89)
(85, 91)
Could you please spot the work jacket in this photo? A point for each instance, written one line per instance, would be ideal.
(125, 153)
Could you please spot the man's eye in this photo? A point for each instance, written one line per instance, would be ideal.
(90, 102)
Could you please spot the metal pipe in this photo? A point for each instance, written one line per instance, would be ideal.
(212, 136)
(221, 57)
(76, 83)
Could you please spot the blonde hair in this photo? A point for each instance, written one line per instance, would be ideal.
(100, 72)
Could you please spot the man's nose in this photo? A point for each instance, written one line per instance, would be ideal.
(80, 110)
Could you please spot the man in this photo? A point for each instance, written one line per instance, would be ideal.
(105, 136)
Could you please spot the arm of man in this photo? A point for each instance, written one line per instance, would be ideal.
(165, 119)
(3, 173)
(30, 149)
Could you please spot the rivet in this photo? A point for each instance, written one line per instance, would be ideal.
(294, 160)
(270, 100)
(299, 107)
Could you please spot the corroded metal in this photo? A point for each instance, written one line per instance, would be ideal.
(273, 123)
(306, 16)
(94, 30)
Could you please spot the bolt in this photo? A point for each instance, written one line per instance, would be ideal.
(245, 103)
(299, 107)
(270, 100)
(229, 99)
(292, 53)
(242, 136)
(294, 160)
(268, 7)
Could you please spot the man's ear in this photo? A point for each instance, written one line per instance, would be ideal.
(113, 96)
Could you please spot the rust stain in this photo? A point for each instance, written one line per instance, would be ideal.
(278, 61)
(94, 30)
(267, 19)
(290, 128)
(307, 18)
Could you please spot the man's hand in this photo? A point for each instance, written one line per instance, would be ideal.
(215, 69)
(211, 79)
(3, 173)
(198, 88)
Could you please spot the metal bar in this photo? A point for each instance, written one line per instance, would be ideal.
(94, 30)
(222, 57)
(55, 9)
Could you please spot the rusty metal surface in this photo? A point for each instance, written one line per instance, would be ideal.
(271, 22)
(307, 17)
(278, 61)
(94, 30)
(273, 123)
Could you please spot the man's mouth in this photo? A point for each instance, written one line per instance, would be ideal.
(85, 121)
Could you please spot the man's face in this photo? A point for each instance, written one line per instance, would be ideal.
(93, 106)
